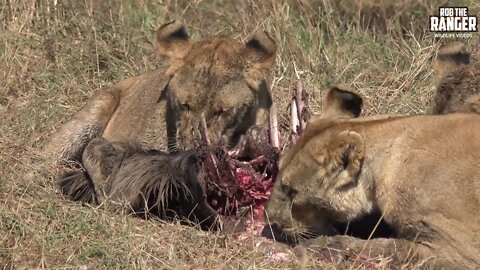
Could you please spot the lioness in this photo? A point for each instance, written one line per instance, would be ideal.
(421, 173)
(218, 77)
(458, 89)
(146, 182)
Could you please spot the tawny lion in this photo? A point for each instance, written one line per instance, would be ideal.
(420, 173)
(219, 78)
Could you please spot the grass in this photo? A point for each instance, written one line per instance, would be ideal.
(54, 54)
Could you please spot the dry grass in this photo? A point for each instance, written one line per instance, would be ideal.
(54, 54)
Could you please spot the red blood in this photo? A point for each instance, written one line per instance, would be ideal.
(237, 187)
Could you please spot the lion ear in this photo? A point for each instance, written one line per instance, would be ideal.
(451, 56)
(262, 48)
(346, 153)
(472, 104)
(342, 102)
(260, 51)
(173, 40)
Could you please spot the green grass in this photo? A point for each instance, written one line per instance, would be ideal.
(54, 57)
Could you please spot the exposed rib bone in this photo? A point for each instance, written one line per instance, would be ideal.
(273, 128)
(211, 157)
(299, 98)
(294, 121)
(203, 130)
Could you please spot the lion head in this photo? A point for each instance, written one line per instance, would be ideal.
(219, 79)
(458, 86)
(319, 173)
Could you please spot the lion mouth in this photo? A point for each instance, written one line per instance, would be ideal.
(273, 231)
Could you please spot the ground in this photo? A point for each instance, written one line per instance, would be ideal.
(54, 54)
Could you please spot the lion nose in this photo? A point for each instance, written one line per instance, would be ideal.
(271, 231)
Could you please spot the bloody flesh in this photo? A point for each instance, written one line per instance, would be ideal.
(238, 183)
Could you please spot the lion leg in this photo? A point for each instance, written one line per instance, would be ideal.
(400, 252)
(70, 141)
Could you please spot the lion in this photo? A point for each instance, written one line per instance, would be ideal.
(458, 88)
(421, 173)
(144, 182)
(218, 78)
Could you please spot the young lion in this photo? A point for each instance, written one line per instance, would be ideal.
(146, 182)
(421, 173)
(458, 89)
(219, 78)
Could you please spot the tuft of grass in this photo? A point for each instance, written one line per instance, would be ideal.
(55, 54)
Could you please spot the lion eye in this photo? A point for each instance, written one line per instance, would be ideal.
(290, 192)
(219, 112)
(184, 106)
